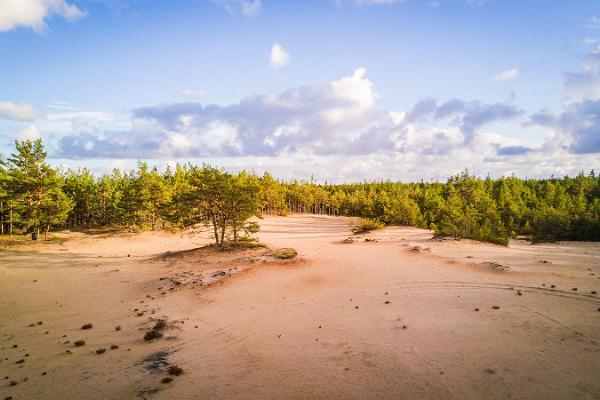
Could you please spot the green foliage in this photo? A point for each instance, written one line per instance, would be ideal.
(366, 225)
(285, 253)
(33, 190)
(34, 196)
(220, 199)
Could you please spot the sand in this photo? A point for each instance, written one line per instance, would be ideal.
(389, 318)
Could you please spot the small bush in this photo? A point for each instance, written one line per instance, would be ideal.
(175, 370)
(153, 334)
(285, 253)
(366, 225)
(248, 243)
(160, 325)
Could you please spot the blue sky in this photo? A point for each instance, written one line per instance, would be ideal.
(339, 89)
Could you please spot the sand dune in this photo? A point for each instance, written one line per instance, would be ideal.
(393, 317)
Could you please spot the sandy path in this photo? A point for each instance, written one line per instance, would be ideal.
(317, 329)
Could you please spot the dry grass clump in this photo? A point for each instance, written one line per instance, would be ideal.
(160, 325)
(153, 334)
(242, 243)
(366, 225)
(175, 370)
(156, 331)
(285, 253)
(248, 242)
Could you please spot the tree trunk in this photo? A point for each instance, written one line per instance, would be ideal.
(11, 220)
(46, 232)
(223, 226)
(215, 228)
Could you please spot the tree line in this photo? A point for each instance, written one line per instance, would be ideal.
(35, 197)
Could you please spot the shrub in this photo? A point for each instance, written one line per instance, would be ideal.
(153, 334)
(285, 253)
(366, 225)
(175, 370)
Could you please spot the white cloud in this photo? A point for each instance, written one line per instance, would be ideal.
(397, 117)
(576, 127)
(506, 75)
(332, 118)
(585, 84)
(33, 13)
(593, 23)
(336, 131)
(249, 8)
(357, 95)
(306, 119)
(194, 93)
(279, 57)
(17, 111)
(62, 106)
(30, 132)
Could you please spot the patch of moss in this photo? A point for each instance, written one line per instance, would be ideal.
(285, 253)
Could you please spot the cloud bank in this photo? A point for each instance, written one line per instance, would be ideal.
(338, 130)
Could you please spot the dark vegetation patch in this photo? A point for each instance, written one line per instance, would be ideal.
(495, 266)
(153, 334)
(366, 225)
(175, 370)
(156, 332)
(156, 362)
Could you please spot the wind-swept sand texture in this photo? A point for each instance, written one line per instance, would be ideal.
(389, 318)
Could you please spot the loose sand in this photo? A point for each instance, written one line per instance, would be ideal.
(393, 317)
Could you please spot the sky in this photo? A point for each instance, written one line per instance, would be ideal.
(338, 90)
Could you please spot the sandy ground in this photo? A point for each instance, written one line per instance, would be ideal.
(400, 316)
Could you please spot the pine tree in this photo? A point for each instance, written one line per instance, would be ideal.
(35, 187)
